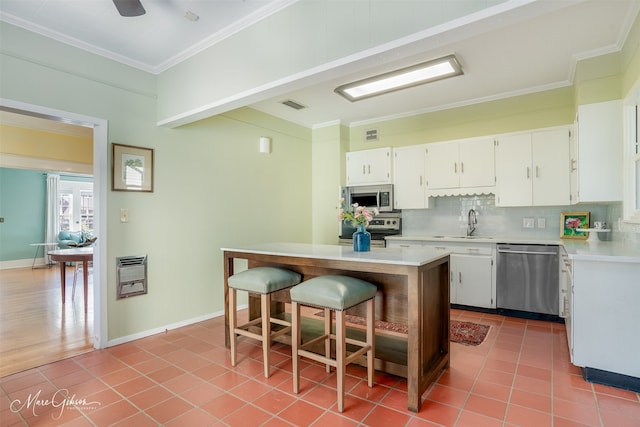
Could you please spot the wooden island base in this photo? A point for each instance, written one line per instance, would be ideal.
(413, 288)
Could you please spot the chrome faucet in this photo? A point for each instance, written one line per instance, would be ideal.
(472, 220)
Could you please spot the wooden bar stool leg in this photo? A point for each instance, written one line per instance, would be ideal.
(265, 302)
(371, 336)
(233, 321)
(340, 356)
(295, 344)
(327, 331)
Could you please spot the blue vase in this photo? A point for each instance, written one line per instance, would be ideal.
(361, 240)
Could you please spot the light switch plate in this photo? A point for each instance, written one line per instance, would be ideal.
(542, 223)
(124, 215)
(528, 223)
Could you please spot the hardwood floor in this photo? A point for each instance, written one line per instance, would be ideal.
(35, 328)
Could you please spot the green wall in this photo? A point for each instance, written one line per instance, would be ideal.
(212, 187)
(542, 109)
(23, 206)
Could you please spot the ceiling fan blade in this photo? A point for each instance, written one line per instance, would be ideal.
(129, 7)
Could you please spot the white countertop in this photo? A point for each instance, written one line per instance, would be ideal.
(399, 256)
(475, 239)
(605, 251)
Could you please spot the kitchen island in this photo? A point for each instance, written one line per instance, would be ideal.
(413, 289)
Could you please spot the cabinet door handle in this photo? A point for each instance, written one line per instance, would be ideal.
(460, 277)
(461, 167)
(537, 172)
(455, 168)
(573, 164)
(528, 172)
(420, 180)
(364, 170)
(369, 169)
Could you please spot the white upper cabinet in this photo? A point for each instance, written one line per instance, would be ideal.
(477, 163)
(596, 153)
(533, 168)
(369, 167)
(442, 165)
(513, 171)
(460, 164)
(408, 178)
(551, 168)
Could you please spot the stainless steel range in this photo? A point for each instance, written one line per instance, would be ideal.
(382, 225)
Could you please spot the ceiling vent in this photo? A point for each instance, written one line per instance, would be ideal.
(370, 135)
(293, 104)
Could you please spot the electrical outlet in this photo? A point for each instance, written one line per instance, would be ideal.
(124, 215)
(542, 223)
(528, 223)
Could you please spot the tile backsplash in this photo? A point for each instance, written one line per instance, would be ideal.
(448, 216)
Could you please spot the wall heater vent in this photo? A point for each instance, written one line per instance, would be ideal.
(131, 276)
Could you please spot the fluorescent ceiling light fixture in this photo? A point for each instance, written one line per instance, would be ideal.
(403, 78)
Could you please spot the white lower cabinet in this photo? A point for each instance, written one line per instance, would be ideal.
(603, 316)
(471, 266)
(471, 279)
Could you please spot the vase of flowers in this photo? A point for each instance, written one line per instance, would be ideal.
(359, 217)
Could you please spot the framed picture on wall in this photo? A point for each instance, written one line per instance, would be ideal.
(132, 168)
(571, 222)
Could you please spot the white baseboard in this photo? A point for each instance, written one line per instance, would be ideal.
(21, 263)
(154, 331)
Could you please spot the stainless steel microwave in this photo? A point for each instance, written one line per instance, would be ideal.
(371, 196)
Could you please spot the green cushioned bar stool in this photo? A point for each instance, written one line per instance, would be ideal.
(263, 281)
(333, 293)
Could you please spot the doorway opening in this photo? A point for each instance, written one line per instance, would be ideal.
(100, 146)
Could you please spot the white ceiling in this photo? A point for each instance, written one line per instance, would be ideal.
(527, 47)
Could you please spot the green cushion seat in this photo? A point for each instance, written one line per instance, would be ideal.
(264, 280)
(333, 291)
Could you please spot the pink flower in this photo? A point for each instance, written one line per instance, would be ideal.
(573, 223)
(358, 215)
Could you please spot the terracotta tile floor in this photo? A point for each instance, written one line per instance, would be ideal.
(520, 376)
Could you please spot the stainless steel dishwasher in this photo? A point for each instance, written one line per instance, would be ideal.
(528, 279)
